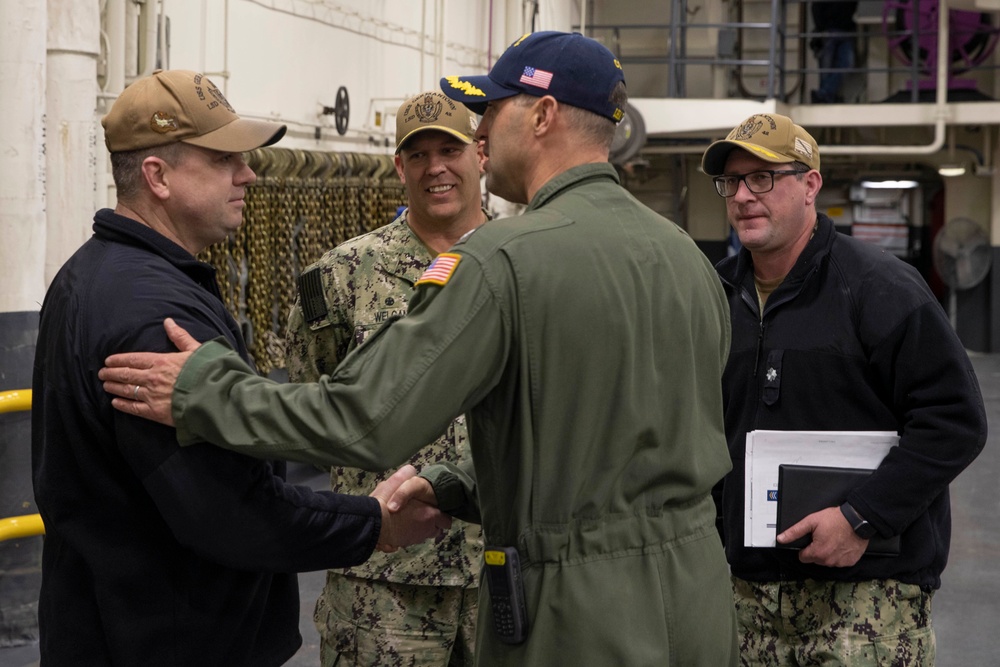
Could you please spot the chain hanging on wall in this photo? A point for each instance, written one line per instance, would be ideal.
(303, 204)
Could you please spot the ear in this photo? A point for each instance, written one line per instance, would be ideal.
(814, 182)
(481, 156)
(398, 161)
(543, 114)
(156, 173)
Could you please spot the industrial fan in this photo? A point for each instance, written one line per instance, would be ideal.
(962, 255)
(911, 29)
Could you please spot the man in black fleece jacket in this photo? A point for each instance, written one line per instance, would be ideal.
(830, 333)
(158, 555)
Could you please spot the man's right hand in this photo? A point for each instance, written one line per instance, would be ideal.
(409, 514)
(834, 543)
(143, 382)
(414, 488)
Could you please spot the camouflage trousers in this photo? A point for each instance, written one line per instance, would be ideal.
(366, 623)
(881, 623)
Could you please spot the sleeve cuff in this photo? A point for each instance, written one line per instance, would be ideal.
(192, 376)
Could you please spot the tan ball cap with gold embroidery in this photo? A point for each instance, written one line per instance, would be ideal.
(771, 137)
(434, 111)
(179, 105)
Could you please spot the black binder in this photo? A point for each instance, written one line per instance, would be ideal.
(804, 489)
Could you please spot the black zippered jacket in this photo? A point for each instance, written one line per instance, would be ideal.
(154, 554)
(852, 340)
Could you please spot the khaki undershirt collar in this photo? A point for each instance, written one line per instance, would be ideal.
(766, 287)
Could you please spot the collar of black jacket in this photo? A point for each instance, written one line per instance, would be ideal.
(737, 268)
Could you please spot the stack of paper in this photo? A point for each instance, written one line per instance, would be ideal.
(766, 450)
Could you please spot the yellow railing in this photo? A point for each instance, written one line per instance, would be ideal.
(17, 400)
(11, 528)
(27, 525)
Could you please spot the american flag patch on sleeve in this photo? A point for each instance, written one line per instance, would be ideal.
(440, 270)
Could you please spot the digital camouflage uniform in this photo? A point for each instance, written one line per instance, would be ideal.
(408, 607)
(877, 623)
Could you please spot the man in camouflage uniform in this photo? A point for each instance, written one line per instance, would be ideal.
(833, 334)
(413, 607)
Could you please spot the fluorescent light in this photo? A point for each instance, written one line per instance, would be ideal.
(889, 185)
(951, 170)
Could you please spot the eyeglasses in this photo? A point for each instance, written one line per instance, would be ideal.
(757, 182)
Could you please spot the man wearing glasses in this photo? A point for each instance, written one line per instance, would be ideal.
(830, 333)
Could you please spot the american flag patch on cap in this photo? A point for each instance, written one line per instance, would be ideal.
(440, 270)
(536, 77)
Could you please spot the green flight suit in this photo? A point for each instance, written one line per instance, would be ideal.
(585, 341)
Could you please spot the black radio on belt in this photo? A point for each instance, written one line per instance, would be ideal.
(503, 575)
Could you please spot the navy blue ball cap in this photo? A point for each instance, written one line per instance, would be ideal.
(574, 69)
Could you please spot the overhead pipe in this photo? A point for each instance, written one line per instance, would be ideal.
(116, 45)
(940, 105)
(217, 76)
(148, 33)
(439, 42)
(225, 48)
(423, 40)
(22, 158)
(203, 37)
(162, 61)
(987, 147)
(114, 81)
(223, 74)
(71, 141)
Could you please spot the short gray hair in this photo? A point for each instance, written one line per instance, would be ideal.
(593, 128)
(126, 167)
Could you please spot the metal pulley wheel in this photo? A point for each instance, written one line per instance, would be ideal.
(342, 110)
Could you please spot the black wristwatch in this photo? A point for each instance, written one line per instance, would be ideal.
(862, 528)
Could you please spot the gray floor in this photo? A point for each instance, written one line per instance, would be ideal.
(966, 609)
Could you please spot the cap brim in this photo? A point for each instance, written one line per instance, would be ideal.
(240, 135)
(475, 92)
(713, 162)
(447, 130)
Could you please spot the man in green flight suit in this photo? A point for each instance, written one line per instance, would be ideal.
(584, 340)
(415, 606)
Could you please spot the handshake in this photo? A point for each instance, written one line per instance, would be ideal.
(409, 510)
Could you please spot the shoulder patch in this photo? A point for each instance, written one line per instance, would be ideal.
(311, 295)
(441, 269)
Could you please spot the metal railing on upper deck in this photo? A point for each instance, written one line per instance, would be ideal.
(762, 50)
(27, 525)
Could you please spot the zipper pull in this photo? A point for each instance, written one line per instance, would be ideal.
(760, 347)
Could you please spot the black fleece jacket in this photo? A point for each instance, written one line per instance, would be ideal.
(856, 341)
(154, 554)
